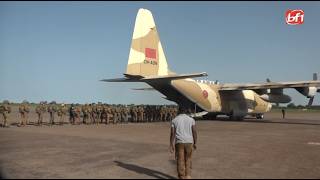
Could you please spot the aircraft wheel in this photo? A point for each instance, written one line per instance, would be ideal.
(236, 118)
(259, 116)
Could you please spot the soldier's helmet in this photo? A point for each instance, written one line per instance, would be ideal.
(5, 102)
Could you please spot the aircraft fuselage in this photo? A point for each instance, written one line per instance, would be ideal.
(190, 93)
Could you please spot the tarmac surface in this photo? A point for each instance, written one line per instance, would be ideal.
(269, 148)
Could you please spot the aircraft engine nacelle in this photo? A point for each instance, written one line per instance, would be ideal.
(276, 98)
(308, 91)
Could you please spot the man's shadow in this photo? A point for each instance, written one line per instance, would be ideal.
(142, 170)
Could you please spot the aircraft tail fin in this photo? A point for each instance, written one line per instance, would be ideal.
(147, 62)
(146, 55)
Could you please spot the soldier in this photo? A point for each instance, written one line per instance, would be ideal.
(52, 109)
(157, 113)
(132, 112)
(125, 111)
(40, 110)
(72, 114)
(5, 109)
(94, 113)
(90, 109)
(109, 114)
(140, 114)
(77, 113)
(171, 113)
(85, 112)
(135, 111)
(114, 114)
(99, 112)
(147, 113)
(104, 114)
(62, 112)
(283, 113)
(24, 111)
(89, 113)
(118, 111)
(162, 113)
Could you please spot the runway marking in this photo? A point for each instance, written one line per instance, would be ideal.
(314, 143)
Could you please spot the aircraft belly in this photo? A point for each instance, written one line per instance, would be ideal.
(202, 94)
(243, 102)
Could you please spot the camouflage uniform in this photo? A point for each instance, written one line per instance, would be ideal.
(72, 114)
(86, 113)
(90, 108)
(77, 113)
(40, 110)
(62, 112)
(94, 114)
(5, 109)
(109, 114)
(104, 115)
(133, 114)
(157, 113)
(140, 114)
(125, 112)
(99, 112)
(118, 112)
(52, 109)
(114, 114)
(162, 113)
(24, 111)
(170, 113)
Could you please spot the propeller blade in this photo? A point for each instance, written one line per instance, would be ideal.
(268, 80)
(315, 76)
(310, 101)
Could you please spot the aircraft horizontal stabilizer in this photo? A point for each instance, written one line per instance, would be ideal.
(138, 78)
(120, 80)
(174, 76)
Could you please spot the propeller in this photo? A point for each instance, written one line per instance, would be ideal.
(315, 78)
(268, 81)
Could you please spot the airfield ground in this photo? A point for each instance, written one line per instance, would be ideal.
(269, 148)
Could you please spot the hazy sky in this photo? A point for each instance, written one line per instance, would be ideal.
(60, 50)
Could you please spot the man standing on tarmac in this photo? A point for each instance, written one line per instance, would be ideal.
(183, 140)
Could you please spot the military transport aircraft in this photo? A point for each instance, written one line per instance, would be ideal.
(147, 63)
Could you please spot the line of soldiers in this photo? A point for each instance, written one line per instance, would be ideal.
(92, 113)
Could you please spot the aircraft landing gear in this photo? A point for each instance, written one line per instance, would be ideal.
(259, 116)
(236, 118)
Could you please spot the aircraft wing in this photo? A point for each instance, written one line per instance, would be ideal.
(269, 85)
